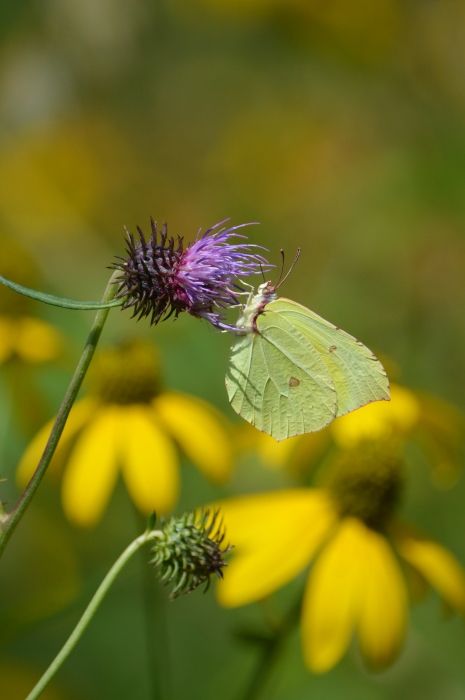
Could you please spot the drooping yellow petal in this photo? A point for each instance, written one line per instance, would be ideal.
(332, 597)
(442, 436)
(80, 414)
(275, 535)
(384, 602)
(438, 566)
(417, 585)
(36, 340)
(378, 420)
(7, 337)
(200, 431)
(149, 461)
(92, 468)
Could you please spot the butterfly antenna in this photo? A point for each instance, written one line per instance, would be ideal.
(276, 285)
(263, 274)
(281, 281)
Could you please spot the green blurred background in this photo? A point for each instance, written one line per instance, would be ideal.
(340, 127)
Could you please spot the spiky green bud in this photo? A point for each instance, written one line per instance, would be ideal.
(189, 551)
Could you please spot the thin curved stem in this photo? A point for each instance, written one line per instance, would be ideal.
(60, 301)
(90, 612)
(9, 523)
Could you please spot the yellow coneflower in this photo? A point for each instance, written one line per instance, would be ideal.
(363, 556)
(437, 426)
(128, 421)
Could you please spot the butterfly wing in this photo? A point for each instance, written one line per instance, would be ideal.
(277, 381)
(359, 377)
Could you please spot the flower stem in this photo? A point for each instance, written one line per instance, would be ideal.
(156, 637)
(11, 521)
(90, 612)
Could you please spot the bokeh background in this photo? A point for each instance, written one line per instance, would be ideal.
(340, 127)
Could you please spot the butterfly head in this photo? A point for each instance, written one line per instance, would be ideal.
(256, 304)
(267, 290)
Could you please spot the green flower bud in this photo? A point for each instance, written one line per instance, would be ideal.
(189, 551)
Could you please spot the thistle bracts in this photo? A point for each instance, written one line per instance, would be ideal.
(189, 551)
(160, 278)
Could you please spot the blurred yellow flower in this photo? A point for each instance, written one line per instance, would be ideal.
(359, 581)
(31, 339)
(49, 181)
(128, 422)
(21, 334)
(397, 417)
(437, 426)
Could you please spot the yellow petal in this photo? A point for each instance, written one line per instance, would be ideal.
(36, 340)
(438, 566)
(199, 429)
(92, 468)
(442, 435)
(7, 337)
(149, 461)
(417, 585)
(383, 611)
(80, 414)
(275, 535)
(332, 597)
(378, 420)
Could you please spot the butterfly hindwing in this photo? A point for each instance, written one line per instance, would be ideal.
(359, 378)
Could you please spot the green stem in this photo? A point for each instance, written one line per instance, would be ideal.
(9, 523)
(60, 301)
(90, 612)
(271, 653)
(156, 650)
(156, 638)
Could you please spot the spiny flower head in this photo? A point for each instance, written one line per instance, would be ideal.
(160, 278)
(189, 551)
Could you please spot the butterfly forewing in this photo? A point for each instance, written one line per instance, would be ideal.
(277, 380)
(359, 378)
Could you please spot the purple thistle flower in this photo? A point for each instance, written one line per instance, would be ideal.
(161, 278)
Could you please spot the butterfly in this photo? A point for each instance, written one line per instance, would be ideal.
(292, 372)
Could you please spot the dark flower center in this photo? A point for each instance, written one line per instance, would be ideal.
(366, 483)
(126, 375)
